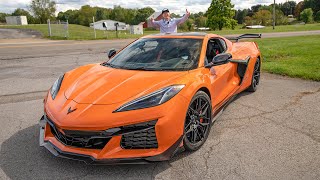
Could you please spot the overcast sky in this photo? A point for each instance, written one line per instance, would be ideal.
(175, 6)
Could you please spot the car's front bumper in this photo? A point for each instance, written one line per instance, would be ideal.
(91, 160)
(168, 129)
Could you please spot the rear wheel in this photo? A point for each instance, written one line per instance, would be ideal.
(255, 77)
(198, 121)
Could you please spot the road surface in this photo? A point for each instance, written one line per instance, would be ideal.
(273, 133)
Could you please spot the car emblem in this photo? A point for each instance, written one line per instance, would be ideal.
(71, 110)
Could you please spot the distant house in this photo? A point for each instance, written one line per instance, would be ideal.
(156, 16)
(17, 20)
(137, 29)
(109, 25)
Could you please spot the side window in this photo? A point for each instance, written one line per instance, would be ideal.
(224, 45)
(214, 48)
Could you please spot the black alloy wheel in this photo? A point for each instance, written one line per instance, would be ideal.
(255, 77)
(198, 121)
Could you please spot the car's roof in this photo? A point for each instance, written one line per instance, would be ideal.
(180, 35)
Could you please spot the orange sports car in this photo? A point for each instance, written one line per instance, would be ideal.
(156, 96)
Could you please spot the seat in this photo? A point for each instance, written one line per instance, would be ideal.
(211, 53)
(216, 48)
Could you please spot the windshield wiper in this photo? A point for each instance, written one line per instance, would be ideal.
(141, 68)
(111, 65)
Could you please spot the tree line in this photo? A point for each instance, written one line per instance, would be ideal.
(84, 15)
(220, 14)
(39, 11)
(306, 11)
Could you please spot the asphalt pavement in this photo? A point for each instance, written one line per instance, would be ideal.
(273, 133)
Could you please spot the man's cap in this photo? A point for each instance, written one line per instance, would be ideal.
(165, 10)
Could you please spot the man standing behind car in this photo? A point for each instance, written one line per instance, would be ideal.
(168, 25)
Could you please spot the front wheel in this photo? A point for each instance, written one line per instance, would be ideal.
(198, 122)
(255, 77)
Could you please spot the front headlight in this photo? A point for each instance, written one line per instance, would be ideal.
(56, 87)
(154, 99)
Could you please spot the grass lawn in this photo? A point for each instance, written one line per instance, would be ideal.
(77, 32)
(292, 56)
(269, 29)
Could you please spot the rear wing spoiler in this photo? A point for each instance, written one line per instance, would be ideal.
(245, 36)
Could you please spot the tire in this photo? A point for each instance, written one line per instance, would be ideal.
(255, 80)
(198, 121)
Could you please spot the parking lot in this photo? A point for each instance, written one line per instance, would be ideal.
(273, 133)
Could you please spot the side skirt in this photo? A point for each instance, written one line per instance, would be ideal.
(219, 111)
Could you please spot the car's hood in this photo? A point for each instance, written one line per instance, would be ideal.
(103, 85)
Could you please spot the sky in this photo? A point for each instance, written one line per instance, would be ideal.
(177, 6)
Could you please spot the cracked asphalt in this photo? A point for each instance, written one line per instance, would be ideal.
(273, 133)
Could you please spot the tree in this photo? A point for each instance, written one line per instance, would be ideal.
(197, 15)
(288, 7)
(130, 16)
(173, 15)
(240, 15)
(313, 4)
(201, 21)
(22, 12)
(118, 13)
(3, 17)
(43, 9)
(71, 15)
(317, 16)
(220, 14)
(307, 15)
(248, 21)
(268, 8)
(281, 19)
(100, 14)
(86, 12)
(143, 14)
(263, 17)
(85, 15)
(190, 24)
(256, 8)
(293, 5)
(299, 8)
(233, 24)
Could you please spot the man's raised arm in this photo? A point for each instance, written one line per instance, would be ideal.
(154, 23)
(184, 18)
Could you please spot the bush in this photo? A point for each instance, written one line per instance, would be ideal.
(307, 15)
(317, 16)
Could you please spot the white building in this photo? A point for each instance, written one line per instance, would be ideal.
(109, 25)
(16, 20)
(136, 29)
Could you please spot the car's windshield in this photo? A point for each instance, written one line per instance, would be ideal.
(159, 54)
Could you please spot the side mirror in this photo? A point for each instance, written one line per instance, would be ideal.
(219, 60)
(111, 53)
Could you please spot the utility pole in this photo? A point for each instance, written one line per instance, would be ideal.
(94, 28)
(274, 14)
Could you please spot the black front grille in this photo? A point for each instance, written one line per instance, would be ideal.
(136, 136)
(142, 136)
(80, 139)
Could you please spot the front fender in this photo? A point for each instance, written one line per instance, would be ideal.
(200, 79)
